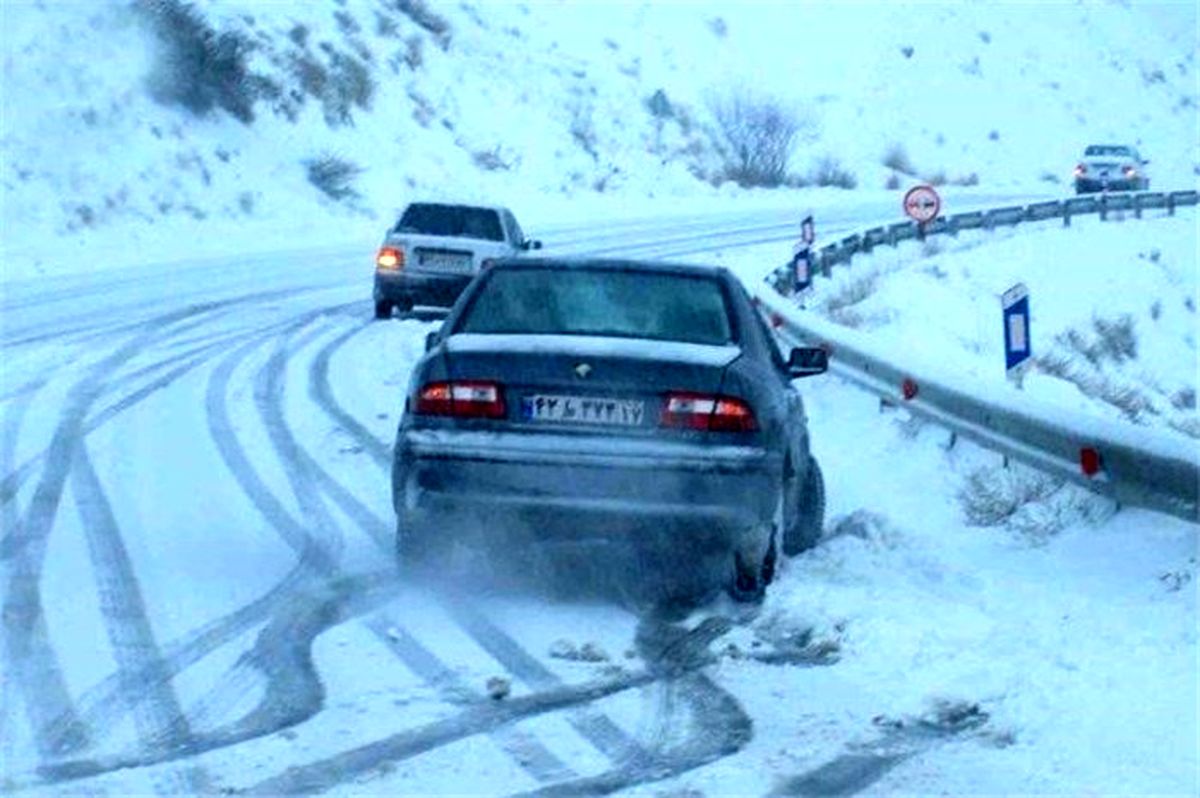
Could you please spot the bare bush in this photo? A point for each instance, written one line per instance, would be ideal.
(828, 171)
(350, 86)
(333, 176)
(1030, 503)
(893, 182)
(756, 136)
(896, 159)
(840, 304)
(992, 496)
(583, 128)
(1112, 340)
(199, 68)
(427, 19)
(1129, 399)
(414, 52)
(491, 160)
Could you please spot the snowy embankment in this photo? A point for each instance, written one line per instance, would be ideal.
(1113, 310)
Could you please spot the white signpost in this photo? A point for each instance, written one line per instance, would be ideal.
(1014, 304)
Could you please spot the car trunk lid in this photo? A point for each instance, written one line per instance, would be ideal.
(587, 382)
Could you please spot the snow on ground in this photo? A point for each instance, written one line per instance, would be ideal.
(197, 587)
(964, 628)
(1113, 309)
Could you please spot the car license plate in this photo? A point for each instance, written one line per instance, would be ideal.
(446, 262)
(583, 410)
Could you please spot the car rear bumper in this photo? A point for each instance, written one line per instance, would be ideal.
(578, 489)
(1123, 184)
(420, 288)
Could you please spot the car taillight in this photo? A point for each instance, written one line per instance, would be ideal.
(390, 259)
(461, 400)
(707, 412)
(1080, 170)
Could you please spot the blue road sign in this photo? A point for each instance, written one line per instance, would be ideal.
(1017, 345)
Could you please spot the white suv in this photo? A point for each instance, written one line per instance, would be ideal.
(1111, 167)
(435, 249)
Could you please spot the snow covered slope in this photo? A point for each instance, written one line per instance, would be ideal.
(537, 103)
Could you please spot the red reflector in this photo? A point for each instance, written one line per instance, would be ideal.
(461, 400)
(707, 412)
(909, 389)
(1089, 461)
(776, 320)
(390, 259)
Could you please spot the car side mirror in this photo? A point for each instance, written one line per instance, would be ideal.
(431, 340)
(806, 361)
(529, 244)
(1145, 163)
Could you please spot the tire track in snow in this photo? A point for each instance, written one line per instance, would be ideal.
(282, 654)
(57, 727)
(26, 643)
(158, 717)
(15, 477)
(330, 772)
(594, 726)
(9, 518)
(325, 774)
(525, 749)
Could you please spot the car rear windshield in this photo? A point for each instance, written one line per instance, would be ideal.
(627, 304)
(1099, 149)
(451, 220)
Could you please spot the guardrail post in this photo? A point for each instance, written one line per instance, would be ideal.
(1103, 207)
(1066, 214)
(1170, 204)
(1137, 206)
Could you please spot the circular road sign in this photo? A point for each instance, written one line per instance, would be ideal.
(922, 203)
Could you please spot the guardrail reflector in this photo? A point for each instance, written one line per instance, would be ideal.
(1089, 461)
(909, 389)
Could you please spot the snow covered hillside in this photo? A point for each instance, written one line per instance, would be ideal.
(141, 131)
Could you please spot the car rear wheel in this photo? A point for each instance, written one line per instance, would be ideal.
(804, 528)
(383, 310)
(752, 574)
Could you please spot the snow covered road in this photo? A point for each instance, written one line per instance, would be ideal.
(199, 593)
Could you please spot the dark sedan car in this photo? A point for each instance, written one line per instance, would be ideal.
(575, 402)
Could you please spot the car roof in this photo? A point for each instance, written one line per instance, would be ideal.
(452, 204)
(610, 264)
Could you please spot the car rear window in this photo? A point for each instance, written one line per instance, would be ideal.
(451, 220)
(627, 304)
(1099, 149)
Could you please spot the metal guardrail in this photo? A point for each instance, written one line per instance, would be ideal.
(843, 251)
(1138, 466)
